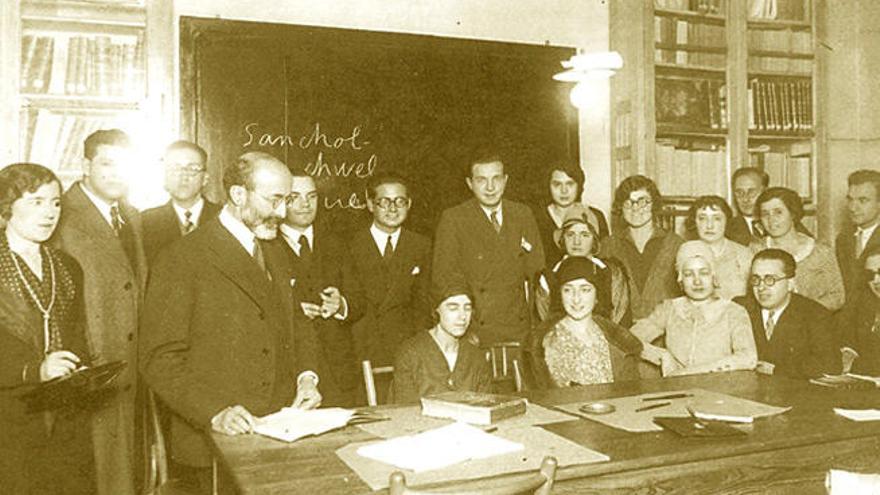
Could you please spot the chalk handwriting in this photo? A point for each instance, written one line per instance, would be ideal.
(355, 202)
(317, 137)
(265, 139)
(361, 170)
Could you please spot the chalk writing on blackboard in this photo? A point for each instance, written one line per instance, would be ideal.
(345, 156)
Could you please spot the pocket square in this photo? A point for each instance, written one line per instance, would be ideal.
(525, 245)
(415, 271)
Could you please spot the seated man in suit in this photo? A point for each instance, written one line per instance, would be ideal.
(748, 183)
(859, 321)
(863, 206)
(185, 176)
(319, 277)
(390, 272)
(792, 333)
(218, 345)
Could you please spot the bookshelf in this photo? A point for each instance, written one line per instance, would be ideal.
(709, 86)
(83, 65)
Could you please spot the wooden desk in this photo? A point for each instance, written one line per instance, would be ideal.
(789, 453)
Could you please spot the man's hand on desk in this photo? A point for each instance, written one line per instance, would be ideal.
(233, 420)
(307, 395)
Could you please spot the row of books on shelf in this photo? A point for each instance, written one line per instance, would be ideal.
(681, 33)
(781, 40)
(94, 65)
(56, 140)
(781, 105)
(691, 102)
(786, 169)
(686, 172)
(783, 65)
(702, 6)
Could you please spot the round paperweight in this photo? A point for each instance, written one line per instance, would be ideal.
(596, 408)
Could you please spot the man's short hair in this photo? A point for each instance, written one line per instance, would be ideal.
(711, 202)
(789, 266)
(104, 137)
(241, 171)
(757, 172)
(572, 170)
(865, 176)
(487, 156)
(188, 145)
(20, 178)
(385, 178)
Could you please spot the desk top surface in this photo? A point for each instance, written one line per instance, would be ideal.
(261, 465)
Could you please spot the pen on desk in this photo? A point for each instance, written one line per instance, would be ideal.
(653, 406)
(665, 397)
(490, 429)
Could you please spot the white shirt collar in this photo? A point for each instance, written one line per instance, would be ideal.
(238, 229)
(291, 235)
(102, 206)
(866, 233)
(777, 313)
(380, 238)
(488, 213)
(195, 210)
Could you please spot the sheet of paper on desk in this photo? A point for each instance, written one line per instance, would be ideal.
(438, 448)
(858, 414)
(291, 424)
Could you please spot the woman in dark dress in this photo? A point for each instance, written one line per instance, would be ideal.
(41, 338)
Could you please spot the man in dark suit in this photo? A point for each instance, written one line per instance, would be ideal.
(863, 206)
(319, 278)
(494, 244)
(218, 345)
(185, 176)
(104, 234)
(390, 266)
(792, 333)
(748, 183)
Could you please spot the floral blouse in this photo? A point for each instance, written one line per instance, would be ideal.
(582, 358)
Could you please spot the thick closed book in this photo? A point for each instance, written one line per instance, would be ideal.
(473, 407)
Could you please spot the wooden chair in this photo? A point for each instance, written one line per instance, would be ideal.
(504, 357)
(541, 483)
(370, 374)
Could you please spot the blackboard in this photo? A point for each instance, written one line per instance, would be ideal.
(347, 104)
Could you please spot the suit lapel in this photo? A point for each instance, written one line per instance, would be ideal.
(86, 217)
(231, 259)
(19, 318)
(874, 240)
(171, 222)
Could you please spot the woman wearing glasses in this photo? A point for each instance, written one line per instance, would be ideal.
(703, 332)
(41, 338)
(645, 249)
(707, 219)
(860, 321)
(818, 277)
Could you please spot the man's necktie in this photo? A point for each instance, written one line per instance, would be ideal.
(257, 254)
(115, 220)
(389, 249)
(495, 224)
(304, 250)
(770, 324)
(188, 225)
(858, 243)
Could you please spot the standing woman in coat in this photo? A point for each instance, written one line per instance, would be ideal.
(41, 338)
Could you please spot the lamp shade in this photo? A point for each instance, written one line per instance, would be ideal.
(590, 66)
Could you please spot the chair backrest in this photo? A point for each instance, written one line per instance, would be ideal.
(370, 381)
(541, 483)
(154, 441)
(504, 358)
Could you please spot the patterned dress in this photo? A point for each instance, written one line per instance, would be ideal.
(577, 357)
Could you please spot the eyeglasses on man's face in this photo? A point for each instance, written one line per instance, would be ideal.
(188, 169)
(637, 204)
(767, 280)
(275, 201)
(398, 202)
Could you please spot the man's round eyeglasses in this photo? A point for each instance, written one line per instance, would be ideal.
(640, 203)
(398, 202)
(187, 170)
(767, 280)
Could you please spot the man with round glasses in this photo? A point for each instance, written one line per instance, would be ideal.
(792, 332)
(390, 271)
(185, 179)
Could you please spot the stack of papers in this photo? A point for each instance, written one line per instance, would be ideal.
(438, 448)
(290, 424)
(858, 414)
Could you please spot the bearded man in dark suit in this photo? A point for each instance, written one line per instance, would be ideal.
(185, 177)
(218, 345)
(494, 245)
